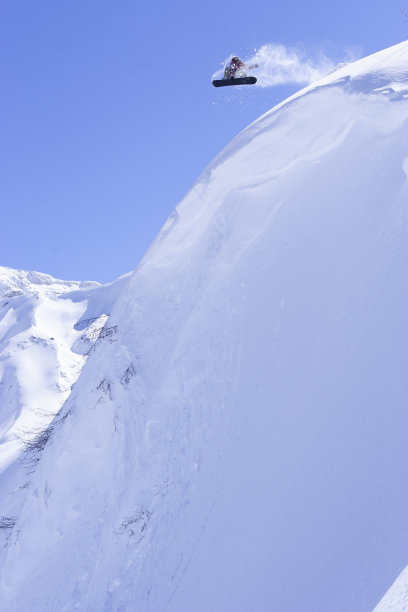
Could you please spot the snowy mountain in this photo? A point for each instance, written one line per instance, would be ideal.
(235, 440)
(47, 330)
(38, 366)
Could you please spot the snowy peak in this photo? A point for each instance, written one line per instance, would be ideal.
(382, 73)
(48, 328)
(237, 429)
(387, 67)
(18, 282)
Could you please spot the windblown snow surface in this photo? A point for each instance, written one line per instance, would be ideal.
(236, 439)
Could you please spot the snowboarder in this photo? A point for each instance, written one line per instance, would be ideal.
(234, 74)
(236, 68)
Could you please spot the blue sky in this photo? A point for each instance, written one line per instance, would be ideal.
(108, 116)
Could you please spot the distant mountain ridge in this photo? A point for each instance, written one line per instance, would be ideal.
(45, 338)
(12, 280)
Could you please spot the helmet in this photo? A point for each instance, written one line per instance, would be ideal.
(236, 60)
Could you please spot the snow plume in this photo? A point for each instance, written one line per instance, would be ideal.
(280, 65)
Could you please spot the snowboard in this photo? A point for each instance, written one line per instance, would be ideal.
(251, 80)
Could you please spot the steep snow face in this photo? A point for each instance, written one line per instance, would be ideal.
(46, 333)
(236, 440)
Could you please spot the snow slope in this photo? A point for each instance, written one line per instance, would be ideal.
(37, 365)
(396, 599)
(237, 440)
(46, 333)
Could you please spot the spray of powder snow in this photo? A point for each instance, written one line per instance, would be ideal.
(279, 65)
